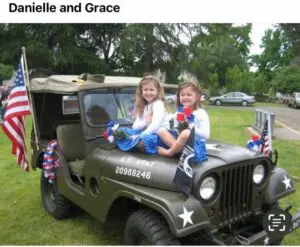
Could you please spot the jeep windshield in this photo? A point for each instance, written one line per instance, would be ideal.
(101, 106)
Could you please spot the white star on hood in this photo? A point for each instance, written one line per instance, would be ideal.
(287, 182)
(266, 240)
(186, 216)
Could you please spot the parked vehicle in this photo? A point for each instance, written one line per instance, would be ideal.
(171, 98)
(233, 98)
(294, 100)
(232, 191)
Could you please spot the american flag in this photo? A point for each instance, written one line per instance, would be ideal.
(14, 119)
(265, 142)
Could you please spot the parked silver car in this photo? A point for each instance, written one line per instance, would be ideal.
(233, 98)
(294, 100)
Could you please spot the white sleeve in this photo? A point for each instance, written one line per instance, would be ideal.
(157, 117)
(139, 123)
(202, 125)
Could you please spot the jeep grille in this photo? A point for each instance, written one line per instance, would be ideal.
(236, 195)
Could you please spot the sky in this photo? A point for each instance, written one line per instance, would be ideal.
(258, 30)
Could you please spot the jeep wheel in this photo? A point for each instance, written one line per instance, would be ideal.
(146, 227)
(218, 102)
(244, 103)
(54, 203)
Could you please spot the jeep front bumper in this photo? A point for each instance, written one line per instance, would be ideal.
(262, 238)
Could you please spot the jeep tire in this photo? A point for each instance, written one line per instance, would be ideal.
(54, 203)
(146, 227)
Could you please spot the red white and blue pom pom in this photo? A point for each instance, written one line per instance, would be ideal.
(254, 143)
(111, 128)
(50, 162)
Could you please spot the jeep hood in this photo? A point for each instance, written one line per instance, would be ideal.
(158, 171)
(227, 153)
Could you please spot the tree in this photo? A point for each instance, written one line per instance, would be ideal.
(5, 72)
(148, 47)
(287, 80)
(292, 33)
(54, 46)
(216, 48)
(276, 53)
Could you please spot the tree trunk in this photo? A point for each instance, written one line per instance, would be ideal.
(148, 57)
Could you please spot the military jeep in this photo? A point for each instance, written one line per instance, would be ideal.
(232, 191)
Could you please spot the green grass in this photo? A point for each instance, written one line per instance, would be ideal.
(270, 104)
(23, 220)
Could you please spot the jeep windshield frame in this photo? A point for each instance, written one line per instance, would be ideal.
(103, 105)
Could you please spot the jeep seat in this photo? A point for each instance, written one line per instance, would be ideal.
(71, 141)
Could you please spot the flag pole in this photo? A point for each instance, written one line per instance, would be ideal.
(269, 132)
(27, 85)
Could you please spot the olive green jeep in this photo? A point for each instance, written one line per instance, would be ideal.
(232, 191)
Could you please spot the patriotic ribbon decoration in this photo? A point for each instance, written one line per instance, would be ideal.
(185, 113)
(254, 144)
(261, 144)
(50, 162)
(112, 132)
(109, 133)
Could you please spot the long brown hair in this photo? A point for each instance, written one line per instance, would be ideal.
(140, 102)
(196, 88)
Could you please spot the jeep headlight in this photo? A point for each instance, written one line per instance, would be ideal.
(259, 174)
(208, 188)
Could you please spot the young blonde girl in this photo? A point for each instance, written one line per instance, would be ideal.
(188, 96)
(150, 106)
(151, 114)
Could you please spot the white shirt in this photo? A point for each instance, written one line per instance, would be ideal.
(159, 118)
(201, 123)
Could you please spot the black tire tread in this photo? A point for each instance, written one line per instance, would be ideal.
(63, 207)
(150, 224)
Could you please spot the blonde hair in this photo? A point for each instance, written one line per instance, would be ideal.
(195, 87)
(140, 102)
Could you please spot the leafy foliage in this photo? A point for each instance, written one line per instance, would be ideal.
(216, 54)
(5, 72)
(287, 80)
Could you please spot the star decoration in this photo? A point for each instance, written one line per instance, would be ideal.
(287, 182)
(186, 216)
(266, 240)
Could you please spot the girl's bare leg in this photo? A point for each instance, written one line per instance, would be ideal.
(141, 146)
(166, 137)
(177, 146)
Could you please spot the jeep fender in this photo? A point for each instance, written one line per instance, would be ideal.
(279, 185)
(173, 206)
